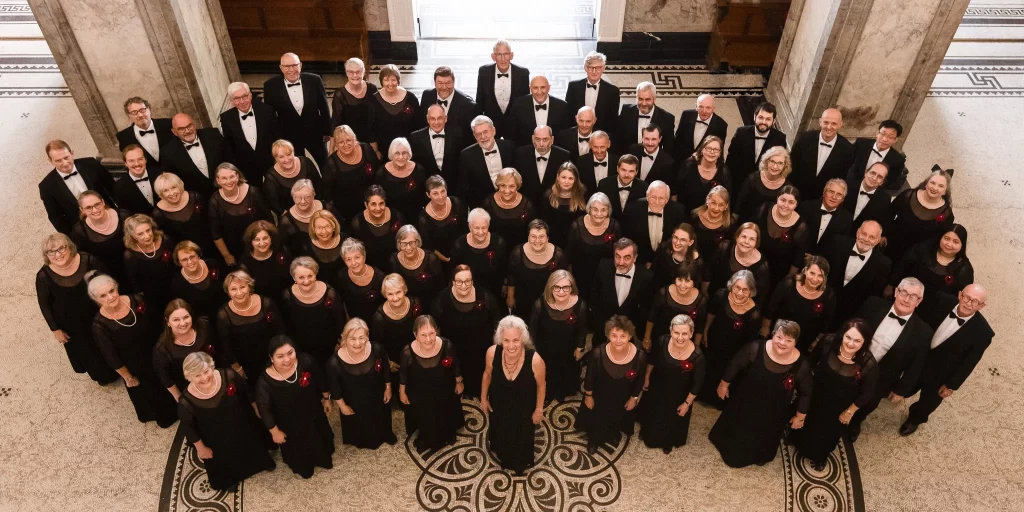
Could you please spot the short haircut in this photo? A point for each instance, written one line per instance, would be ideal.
(599, 134)
(688, 269)
(651, 128)
(681, 320)
(281, 143)
(478, 213)
(500, 42)
(95, 280)
(305, 262)
(509, 172)
(389, 70)
(133, 100)
(911, 281)
(647, 86)
(622, 323)
(356, 62)
(301, 184)
(54, 145)
(242, 277)
(165, 181)
(344, 129)
(629, 160)
(599, 198)
(787, 328)
(656, 184)
(255, 228)
(623, 243)
(839, 182)
(538, 224)
(353, 325)
(594, 56)
(129, 148)
(748, 279)
(407, 230)
(393, 280)
(435, 182)
(234, 87)
(479, 120)
(56, 240)
(375, 190)
(555, 277)
(196, 363)
(352, 244)
(187, 246)
(398, 143)
(765, 107)
(422, 321)
(443, 71)
(890, 123)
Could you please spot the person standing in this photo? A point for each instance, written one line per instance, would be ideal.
(458, 107)
(431, 383)
(750, 143)
(498, 84)
(675, 374)
(634, 118)
(360, 384)
(595, 92)
(350, 105)
(858, 270)
(821, 155)
(301, 105)
(250, 128)
(697, 124)
(559, 330)
(193, 154)
(69, 177)
(135, 193)
(145, 131)
(621, 287)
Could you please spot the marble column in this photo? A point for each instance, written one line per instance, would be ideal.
(175, 53)
(873, 59)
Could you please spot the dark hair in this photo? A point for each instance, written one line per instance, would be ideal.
(277, 342)
(538, 224)
(629, 159)
(788, 328)
(622, 323)
(960, 232)
(652, 127)
(461, 268)
(167, 337)
(129, 148)
(444, 71)
(765, 107)
(688, 270)
(818, 261)
(255, 228)
(789, 189)
(890, 123)
(135, 99)
(624, 242)
(374, 190)
(864, 328)
(687, 228)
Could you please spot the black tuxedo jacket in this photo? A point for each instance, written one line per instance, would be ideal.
(840, 224)
(950, 363)
(805, 163)
(869, 281)
(878, 207)
(313, 124)
(487, 103)
(526, 160)
(163, 134)
(862, 150)
(684, 146)
(900, 369)
(474, 180)
(177, 160)
(129, 197)
(606, 108)
(627, 134)
(741, 159)
(522, 118)
(252, 162)
(634, 226)
(610, 187)
(61, 205)
(663, 168)
(461, 108)
(604, 302)
(585, 166)
(569, 140)
(423, 152)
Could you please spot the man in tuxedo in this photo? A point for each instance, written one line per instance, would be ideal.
(697, 123)
(437, 146)
(866, 152)
(250, 129)
(625, 187)
(594, 166)
(539, 163)
(480, 163)
(651, 221)
(458, 106)
(858, 271)
(870, 202)
(825, 217)
(961, 337)
(194, 154)
(537, 109)
(821, 155)
(634, 118)
(595, 92)
(655, 162)
(302, 109)
(576, 139)
(749, 144)
(620, 287)
(498, 84)
(900, 345)
(70, 177)
(151, 134)
(136, 192)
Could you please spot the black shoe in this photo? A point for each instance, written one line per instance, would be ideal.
(591, 449)
(667, 450)
(853, 432)
(908, 427)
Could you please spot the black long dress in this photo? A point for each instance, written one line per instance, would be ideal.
(672, 380)
(612, 385)
(510, 431)
(813, 315)
(921, 262)
(727, 333)
(470, 327)
(753, 195)
(434, 410)
(167, 358)
(361, 386)
(559, 218)
(723, 265)
(440, 235)
(293, 405)
(229, 220)
(781, 247)
(392, 120)
(750, 427)
(249, 336)
(510, 224)
(361, 300)
(188, 223)
(65, 305)
(692, 189)
(227, 424)
(913, 223)
(128, 342)
(315, 327)
(664, 308)
(425, 281)
(272, 274)
(107, 249)
(586, 250)
(355, 112)
(379, 240)
(529, 278)
(294, 233)
(709, 239)
(345, 184)
(152, 273)
(557, 335)
(836, 386)
(408, 194)
(488, 264)
(207, 296)
(278, 189)
(393, 334)
(329, 262)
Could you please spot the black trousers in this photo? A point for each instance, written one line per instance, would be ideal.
(926, 403)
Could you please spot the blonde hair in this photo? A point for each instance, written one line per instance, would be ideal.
(555, 277)
(507, 173)
(242, 277)
(393, 281)
(352, 326)
(165, 181)
(771, 153)
(195, 363)
(55, 240)
(344, 129)
(135, 221)
(329, 217)
(281, 143)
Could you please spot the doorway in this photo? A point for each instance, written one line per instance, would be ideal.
(549, 20)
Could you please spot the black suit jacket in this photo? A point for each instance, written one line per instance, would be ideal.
(163, 134)
(627, 134)
(522, 118)
(684, 146)
(610, 187)
(526, 161)
(870, 280)
(950, 363)
(461, 108)
(877, 209)
(129, 197)
(177, 160)
(474, 180)
(569, 140)
(313, 124)
(604, 302)
(585, 166)
(741, 159)
(634, 226)
(901, 367)
(805, 163)
(61, 205)
(663, 168)
(252, 162)
(862, 148)
(423, 152)
(606, 108)
(840, 224)
(487, 103)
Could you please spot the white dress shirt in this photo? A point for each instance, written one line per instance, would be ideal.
(886, 334)
(503, 88)
(875, 156)
(541, 115)
(646, 163)
(493, 162)
(198, 156)
(437, 146)
(76, 183)
(862, 200)
(249, 127)
(641, 123)
(583, 145)
(759, 144)
(295, 94)
(590, 94)
(855, 264)
(542, 165)
(623, 194)
(699, 129)
(149, 140)
(655, 228)
(447, 102)
(825, 219)
(601, 172)
(948, 327)
(622, 284)
(824, 151)
(144, 186)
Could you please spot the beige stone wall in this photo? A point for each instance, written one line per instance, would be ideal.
(202, 46)
(376, 12)
(814, 25)
(669, 16)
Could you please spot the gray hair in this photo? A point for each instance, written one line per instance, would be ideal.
(837, 181)
(97, 281)
(305, 262)
(656, 184)
(234, 87)
(479, 120)
(598, 197)
(647, 86)
(393, 280)
(509, 172)
(355, 61)
(352, 244)
(594, 56)
(346, 129)
(399, 142)
(195, 363)
(165, 181)
(681, 320)
(406, 230)
(301, 184)
(911, 281)
(584, 109)
(513, 322)
(748, 279)
(435, 182)
(478, 213)
(501, 42)
(601, 134)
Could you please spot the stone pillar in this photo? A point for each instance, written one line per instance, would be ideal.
(873, 59)
(655, 31)
(175, 53)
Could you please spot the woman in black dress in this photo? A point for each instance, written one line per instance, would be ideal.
(702, 172)
(512, 394)
(376, 226)
(763, 187)
(218, 417)
(396, 111)
(182, 336)
(266, 261)
(713, 222)
(101, 234)
(282, 176)
(612, 386)
(314, 311)
(325, 238)
(233, 208)
(675, 374)
(421, 270)
(391, 324)
(124, 336)
(558, 327)
(348, 172)
(293, 224)
(590, 240)
(484, 252)
(200, 281)
(682, 297)
(182, 214)
(740, 254)
(149, 260)
(529, 267)
(844, 381)
(510, 210)
(565, 202)
(468, 314)
(941, 265)
(805, 299)
(65, 305)
(750, 427)
(403, 179)
(920, 214)
(672, 253)
(360, 383)
(293, 400)
(359, 284)
(247, 323)
(734, 318)
(350, 104)
(431, 383)
(442, 221)
(784, 235)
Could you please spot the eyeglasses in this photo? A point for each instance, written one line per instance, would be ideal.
(974, 303)
(289, 66)
(503, 55)
(900, 292)
(563, 289)
(404, 244)
(60, 250)
(138, 111)
(463, 282)
(713, 150)
(93, 207)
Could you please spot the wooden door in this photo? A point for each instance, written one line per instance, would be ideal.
(316, 30)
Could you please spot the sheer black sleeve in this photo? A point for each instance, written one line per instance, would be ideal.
(741, 361)
(656, 304)
(700, 367)
(403, 371)
(319, 375)
(515, 260)
(338, 312)
(45, 299)
(804, 387)
(224, 325)
(593, 366)
(263, 402)
(868, 381)
(276, 320)
(260, 206)
(584, 320)
(335, 383)
(449, 351)
(640, 366)
(385, 362)
(162, 367)
(771, 310)
(801, 238)
(189, 422)
(101, 335)
(214, 218)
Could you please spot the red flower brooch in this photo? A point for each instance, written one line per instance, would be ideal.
(571, 319)
(210, 350)
(250, 210)
(940, 217)
(447, 362)
(738, 325)
(232, 390)
(785, 236)
(166, 256)
(609, 238)
(789, 382)
(328, 303)
(214, 274)
(631, 374)
(198, 208)
(422, 277)
(491, 255)
(369, 170)
(819, 307)
(693, 313)
(395, 226)
(411, 185)
(480, 306)
(686, 365)
(714, 183)
(856, 373)
(280, 258)
(378, 366)
(719, 237)
(416, 310)
(949, 280)
(454, 219)
(371, 296)
(304, 380)
(407, 110)
(522, 216)
(270, 317)
(140, 307)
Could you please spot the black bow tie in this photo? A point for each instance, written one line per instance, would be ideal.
(589, 86)
(246, 116)
(584, 139)
(898, 319)
(865, 193)
(705, 123)
(544, 158)
(540, 107)
(193, 145)
(654, 214)
(491, 152)
(825, 212)
(627, 276)
(437, 136)
(959, 321)
(875, 151)
(295, 84)
(825, 144)
(600, 164)
(649, 156)
(623, 188)
(857, 254)
(502, 75)
(73, 173)
(442, 102)
(643, 116)
(147, 132)
(140, 180)
(758, 137)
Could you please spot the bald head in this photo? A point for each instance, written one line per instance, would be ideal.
(585, 119)
(539, 88)
(868, 235)
(830, 122)
(972, 299)
(184, 127)
(705, 106)
(436, 118)
(291, 66)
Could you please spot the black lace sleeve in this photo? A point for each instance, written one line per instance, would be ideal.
(263, 402)
(700, 367)
(101, 335)
(741, 361)
(45, 299)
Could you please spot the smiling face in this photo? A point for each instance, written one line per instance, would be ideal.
(355, 261)
(290, 66)
(626, 172)
(538, 239)
(539, 88)
(376, 206)
(624, 259)
(512, 341)
(227, 179)
(853, 340)
(830, 122)
(479, 229)
(135, 160)
(716, 205)
(833, 196)
(436, 118)
(394, 295)
(304, 198)
(284, 359)
(357, 340)
(868, 236)
(746, 241)
(401, 156)
(683, 285)
(785, 204)
(57, 253)
(599, 212)
(972, 299)
(936, 186)
(389, 84)
(681, 241)
(651, 140)
(108, 296)
(705, 107)
(172, 194)
(284, 157)
(205, 379)
(143, 234)
(426, 335)
(775, 166)
(783, 344)
(874, 177)
(183, 127)
(594, 71)
(92, 206)
(599, 147)
(262, 242)
(345, 143)
(657, 198)
(62, 159)
(239, 291)
(950, 243)
(180, 321)
(814, 277)
(885, 138)
(408, 245)
(445, 85)
(354, 73)
(484, 135)
(242, 100)
(644, 101)
(304, 277)
(585, 121)
(740, 292)
(907, 299)
(561, 290)
(188, 260)
(507, 188)
(323, 229)
(462, 283)
(439, 196)
(618, 338)
(763, 121)
(140, 115)
(681, 334)
(502, 56)
(711, 151)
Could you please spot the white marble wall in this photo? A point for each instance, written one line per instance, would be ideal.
(376, 13)
(815, 23)
(203, 49)
(670, 15)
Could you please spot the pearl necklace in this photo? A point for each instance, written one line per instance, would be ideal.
(149, 255)
(195, 336)
(203, 395)
(374, 224)
(394, 313)
(506, 205)
(295, 376)
(359, 276)
(223, 193)
(202, 274)
(622, 361)
(445, 212)
(299, 293)
(246, 310)
(131, 310)
(106, 222)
